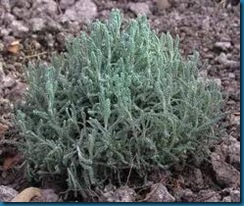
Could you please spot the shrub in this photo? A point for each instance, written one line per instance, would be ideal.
(117, 99)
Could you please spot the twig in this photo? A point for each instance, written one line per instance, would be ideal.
(35, 55)
(128, 177)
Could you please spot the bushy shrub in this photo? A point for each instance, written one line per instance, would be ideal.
(117, 99)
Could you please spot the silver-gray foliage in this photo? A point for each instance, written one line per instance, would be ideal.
(117, 99)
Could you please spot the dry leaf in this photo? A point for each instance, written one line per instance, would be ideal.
(10, 162)
(27, 195)
(14, 47)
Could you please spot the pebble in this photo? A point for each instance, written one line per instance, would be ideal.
(81, 11)
(52, 25)
(223, 59)
(20, 3)
(139, 8)
(7, 193)
(4, 32)
(37, 24)
(209, 196)
(233, 195)
(42, 7)
(226, 174)
(234, 119)
(122, 194)
(6, 5)
(163, 4)
(47, 195)
(159, 193)
(18, 12)
(206, 23)
(60, 37)
(19, 28)
(36, 44)
(8, 18)
(184, 195)
(50, 40)
(232, 75)
(223, 45)
(8, 39)
(64, 4)
(226, 199)
(218, 81)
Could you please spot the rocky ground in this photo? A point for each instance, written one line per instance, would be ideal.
(31, 30)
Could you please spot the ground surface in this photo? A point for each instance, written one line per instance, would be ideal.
(35, 29)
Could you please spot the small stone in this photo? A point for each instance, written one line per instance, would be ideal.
(105, 13)
(4, 32)
(51, 7)
(82, 10)
(163, 4)
(64, 4)
(19, 28)
(20, 3)
(159, 193)
(74, 27)
(47, 195)
(199, 182)
(184, 195)
(36, 44)
(223, 45)
(226, 174)
(206, 23)
(195, 180)
(234, 150)
(231, 195)
(235, 119)
(123, 194)
(231, 151)
(52, 25)
(238, 46)
(226, 199)
(8, 18)
(17, 92)
(231, 102)
(20, 14)
(208, 196)
(6, 5)
(60, 37)
(218, 81)
(50, 40)
(44, 8)
(7, 193)
(203, 73)
(223, 59)
(139, 8)
(37, 24)
(9, 81)
(8, 39)
(232, 75)
(235, 196)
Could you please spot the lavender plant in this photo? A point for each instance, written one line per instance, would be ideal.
(117, 99)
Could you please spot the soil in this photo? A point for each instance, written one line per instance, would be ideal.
(31, 30)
